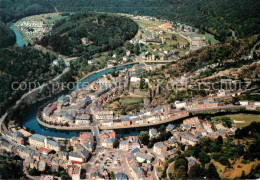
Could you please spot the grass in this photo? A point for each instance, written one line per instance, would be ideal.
(48, 18)
(220, 168)
(132, 100)
(211, 38)
(236, 170)
(148, 23)
(248, 118)
(171, 169)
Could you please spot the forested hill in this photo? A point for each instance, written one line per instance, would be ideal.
(22, 65)
(214, 16)
(102, 32)
(16, 9)
(219, 16)
(7, 36)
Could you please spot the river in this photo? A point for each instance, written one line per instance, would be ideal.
(30, 113)
(18, 35)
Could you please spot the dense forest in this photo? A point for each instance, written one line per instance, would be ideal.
(9, 37)
(218, 17)
(104, 32)
(16, 9)
(11, 168)
(218, 53)
(22, 65)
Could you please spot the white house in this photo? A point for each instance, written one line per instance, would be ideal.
(135, 79)
(180, 104)
(243, 103)
(257, 103)
(141, 157)
(108, 122)
(153, 133)
(91, 61)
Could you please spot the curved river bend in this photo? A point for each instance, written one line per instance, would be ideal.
(29, 117)
(18, 35)
(30, 113)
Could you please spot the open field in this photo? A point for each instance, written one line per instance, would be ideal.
(148, 23)
(211, 38)
(245, 119)
(171, 168)
(236, 171)
(248, 118)
(47, 18)
(30, 33)
(131, 101)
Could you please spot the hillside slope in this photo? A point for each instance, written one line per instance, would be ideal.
(215, 16)
(7, 37)
(102, 32)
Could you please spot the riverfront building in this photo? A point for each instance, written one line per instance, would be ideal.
(38, 141)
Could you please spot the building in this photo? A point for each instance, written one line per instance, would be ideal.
(153, 133)
(108, 122)
(202, 105)
(38, 141)
(41, 166)
(84, 41)
(154, 41)
(180, 104)
(107, 138)
(6, 146)
(257, 103)
(124, 145)
(121, 176)
(125, 121)
(142, 157)
(169, 127)
(63, 155)
(75, 158)
(104, 115)
(244, 103)
(159, 148)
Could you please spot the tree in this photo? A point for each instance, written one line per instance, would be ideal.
(181, 161)
(196, 172)
(130, 47)
(212, 173)
(174, 37)
(70, 148)
(112, 176)
(137, 49)
(161, 128)
(220, 140)
(142, 83)
(181, 173)
(144, 137)
(204, 158)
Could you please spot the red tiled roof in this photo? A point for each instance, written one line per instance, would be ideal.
(44, 150)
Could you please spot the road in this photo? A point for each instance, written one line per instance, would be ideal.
(26, 173)
(30, 92)
(90, 164)
(217, 108)
(168, 168)
(233, 34)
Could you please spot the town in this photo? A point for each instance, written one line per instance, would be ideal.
(134, 113)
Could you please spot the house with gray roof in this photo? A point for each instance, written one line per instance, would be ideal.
(141, 157)
(121, 176)
(169, 127)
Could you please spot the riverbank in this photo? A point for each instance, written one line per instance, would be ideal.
(18, 35)
(30, 117)
(111, 127)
